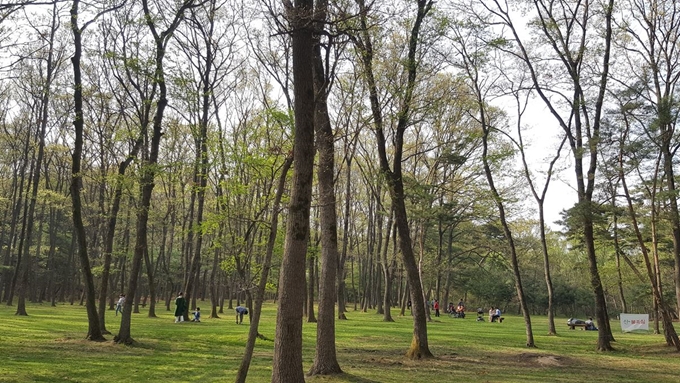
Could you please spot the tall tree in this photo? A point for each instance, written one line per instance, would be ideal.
(325, 359)
(566, 30)
(481, 78)
(651, 267)
(204, 44)
(149, 163)
(393, 173)
(288, 343)
(654, 26)
(52, 64)
(94, 331)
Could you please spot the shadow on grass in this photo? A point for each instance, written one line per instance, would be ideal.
(357, 379)
(344, 377)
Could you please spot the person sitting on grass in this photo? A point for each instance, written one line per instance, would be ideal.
(197, 315)
(497, 315)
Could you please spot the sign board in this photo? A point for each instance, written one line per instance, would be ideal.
(632, 322)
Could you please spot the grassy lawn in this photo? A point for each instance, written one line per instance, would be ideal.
(48, 346)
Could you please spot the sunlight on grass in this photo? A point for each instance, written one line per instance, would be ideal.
(48, 346)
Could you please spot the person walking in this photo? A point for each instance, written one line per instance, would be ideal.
(180, 307)
(436, 308)
(120, 304)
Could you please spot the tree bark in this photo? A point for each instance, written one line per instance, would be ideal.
(287, 364)
(94, 331)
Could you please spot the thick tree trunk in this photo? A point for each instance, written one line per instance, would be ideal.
(325, 358)
(287, 364)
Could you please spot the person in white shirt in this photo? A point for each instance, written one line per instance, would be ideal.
(120, 303)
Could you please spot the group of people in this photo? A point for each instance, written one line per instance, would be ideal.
(495, 314)
(181, 306)
(459, 310)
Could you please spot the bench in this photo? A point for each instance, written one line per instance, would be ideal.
(573, 326)
(572, 323)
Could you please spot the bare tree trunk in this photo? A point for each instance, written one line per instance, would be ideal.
(287, 364)
(148, 170)
(214, 285)
(419, 346)
(387, 271)
(152, 284)
(94, 331)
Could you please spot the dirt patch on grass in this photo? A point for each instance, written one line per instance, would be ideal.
(542, 360)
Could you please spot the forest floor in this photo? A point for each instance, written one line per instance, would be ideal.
(48, 346)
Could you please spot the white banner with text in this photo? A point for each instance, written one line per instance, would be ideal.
(632, 322)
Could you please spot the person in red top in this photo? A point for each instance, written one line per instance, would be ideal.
(436, 308)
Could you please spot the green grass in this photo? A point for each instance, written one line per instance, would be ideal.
(48, 346)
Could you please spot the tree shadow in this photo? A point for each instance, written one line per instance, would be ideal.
(349, 378)
(357, 379)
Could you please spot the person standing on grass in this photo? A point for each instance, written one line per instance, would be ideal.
(180, 307)
(240, 311)
(436, 308)
(120, 304)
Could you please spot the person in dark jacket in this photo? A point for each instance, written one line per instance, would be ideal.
(180, 307)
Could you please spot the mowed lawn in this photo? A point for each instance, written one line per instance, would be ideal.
(48, 346)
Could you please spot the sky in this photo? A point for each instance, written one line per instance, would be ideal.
(541, 139)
